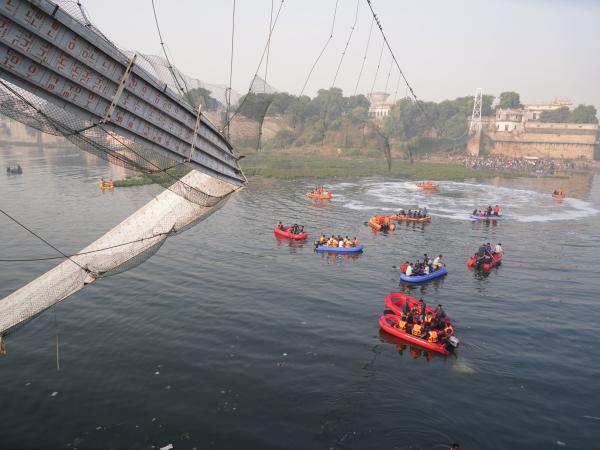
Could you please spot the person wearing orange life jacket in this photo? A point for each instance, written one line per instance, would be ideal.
(401, 324)
(428, 318)
(496, 210)
(417, 330)
(432, 336)
(322, 240)
(355, 242)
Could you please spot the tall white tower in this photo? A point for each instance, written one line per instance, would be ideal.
(475, 125)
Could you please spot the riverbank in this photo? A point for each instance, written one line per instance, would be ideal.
(315, 166)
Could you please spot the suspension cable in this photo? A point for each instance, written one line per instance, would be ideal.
(322, 50)
(268, 47)
(365, 56)
(410, 88)
(347, 44)
(230, 67)
(162, 44)
(257, 70)
(29, 230)
(377, 69)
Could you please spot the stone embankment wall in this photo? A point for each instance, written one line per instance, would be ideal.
(545, 140)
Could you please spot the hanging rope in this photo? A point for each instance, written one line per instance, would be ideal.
(362, 66)
(412, 92)
(230, 67)
(377, 69)
(347, 44)
(387, 80)
(257, 69)
(162, 44)
(268, 47)
(322, 50)
(29, 230)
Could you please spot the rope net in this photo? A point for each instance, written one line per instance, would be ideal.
(189, 196)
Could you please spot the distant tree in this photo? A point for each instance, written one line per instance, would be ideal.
(581, 114)
(561, 115)
(201, 96)
(584, 114)
(509, 100)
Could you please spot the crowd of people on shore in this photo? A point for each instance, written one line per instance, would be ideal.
(487, 212)
(485, 253)
(338, 241)
(424, 267)
(419, 322)
(415, 214)
(507, 163)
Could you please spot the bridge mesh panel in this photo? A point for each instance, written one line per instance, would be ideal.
(94, 138)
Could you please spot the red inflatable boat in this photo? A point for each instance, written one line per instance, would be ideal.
(389, 324)
(496, 260)
(285, 233)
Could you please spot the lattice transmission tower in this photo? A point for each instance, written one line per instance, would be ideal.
(475, 124)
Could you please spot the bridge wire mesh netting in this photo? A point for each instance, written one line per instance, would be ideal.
(96, 137)
(189, 196)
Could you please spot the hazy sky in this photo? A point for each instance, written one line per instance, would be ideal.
(540, 48)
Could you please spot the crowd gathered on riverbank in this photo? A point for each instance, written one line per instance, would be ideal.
(507, 163)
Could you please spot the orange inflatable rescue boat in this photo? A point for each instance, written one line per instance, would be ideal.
(382, 223)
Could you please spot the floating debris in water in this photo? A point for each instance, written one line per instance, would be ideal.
(54, 394)
(157, 373)
(561, 443)
(591, 417)
(167, 447)
(284, 354)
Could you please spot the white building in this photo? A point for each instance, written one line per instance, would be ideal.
(379, 108)
(508, 119)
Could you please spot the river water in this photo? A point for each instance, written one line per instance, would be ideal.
(229, 338)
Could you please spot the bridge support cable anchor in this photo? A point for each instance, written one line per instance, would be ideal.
(113, 104)
(198, 116)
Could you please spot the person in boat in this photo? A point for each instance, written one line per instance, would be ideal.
(425, 269)
(488, 248)
(426, 260)
(409, 270)
(555, 192)
(409, 213)
(355, 242)
(425, 211)
(455, 446)
(341, 243)
(490, 210)
(322, 240)
(474, 213)
(422, 309)
(498, 248)
(403, 269)
(438, 263)
(280, 225)
(496, 210)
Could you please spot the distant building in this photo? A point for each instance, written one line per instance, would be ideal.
(533, 110)
(508, 119)
(379, 108)
(519, 132)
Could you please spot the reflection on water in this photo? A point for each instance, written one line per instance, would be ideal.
(230, 338)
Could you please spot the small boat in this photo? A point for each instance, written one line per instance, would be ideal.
(476, 218)
(558, 195)
(427, 186)
(287, 234)
(382, 223)
(389, 324)
(324, 196)
(401, 218)
(325, 248)
(496, 260)
(106, 184)
(441, 272)
(14, 169)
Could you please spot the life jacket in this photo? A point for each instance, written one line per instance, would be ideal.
(417, 330)
(449, 330)
(433, 336)
(356, 243)
(401, 324)
(496, 211)
(428, 318)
